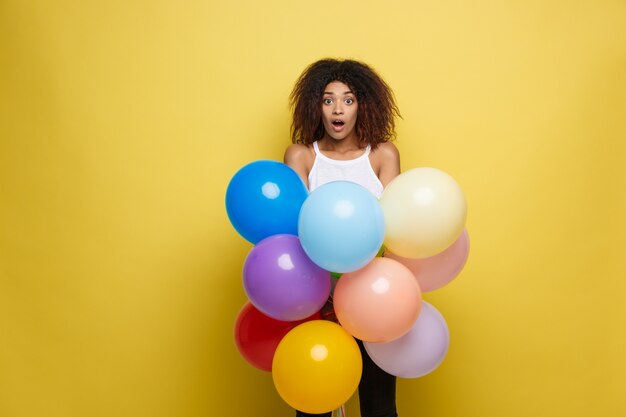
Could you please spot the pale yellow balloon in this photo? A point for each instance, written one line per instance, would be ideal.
(425, 212)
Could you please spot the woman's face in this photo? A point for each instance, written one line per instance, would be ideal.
(339, 110)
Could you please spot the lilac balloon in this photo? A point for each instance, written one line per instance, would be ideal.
(417, 353)
(282, 282)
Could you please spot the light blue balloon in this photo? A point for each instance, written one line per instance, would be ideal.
(341, 226)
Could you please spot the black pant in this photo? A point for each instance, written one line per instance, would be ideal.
(377, 391)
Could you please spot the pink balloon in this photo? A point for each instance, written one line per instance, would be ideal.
(417, 353)
(379, 302)
(438, 270)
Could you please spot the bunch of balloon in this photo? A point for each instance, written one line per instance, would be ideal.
(301, 239)
(315, 364)
(425, 212)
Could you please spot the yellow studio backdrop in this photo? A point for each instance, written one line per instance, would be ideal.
(122, 122)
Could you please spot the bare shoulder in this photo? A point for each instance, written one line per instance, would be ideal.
(387, 150)
(385, 153)
(300, 158)
(386, 162)
(297, 153)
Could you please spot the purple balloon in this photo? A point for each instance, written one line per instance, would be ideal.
(417, 353)
(282, 282)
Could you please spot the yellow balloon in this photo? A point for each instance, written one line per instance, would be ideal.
(424, 211)
(317, 367)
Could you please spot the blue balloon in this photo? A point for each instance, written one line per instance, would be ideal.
(341, 226)
(263, 199)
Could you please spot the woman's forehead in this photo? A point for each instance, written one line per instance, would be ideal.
(337, 87)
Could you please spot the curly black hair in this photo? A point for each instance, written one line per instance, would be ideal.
(377, 106)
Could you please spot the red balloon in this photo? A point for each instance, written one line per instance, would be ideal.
(257, 335)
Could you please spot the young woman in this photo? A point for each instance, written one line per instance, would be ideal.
(343, 121)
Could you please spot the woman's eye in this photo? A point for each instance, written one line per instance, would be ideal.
(349, 101)
(328, 101)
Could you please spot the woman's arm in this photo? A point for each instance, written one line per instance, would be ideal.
(298, 157)
(388, 161)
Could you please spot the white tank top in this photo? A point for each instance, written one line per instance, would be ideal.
(357, 170)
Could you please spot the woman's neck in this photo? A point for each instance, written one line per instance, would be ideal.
(343, 146)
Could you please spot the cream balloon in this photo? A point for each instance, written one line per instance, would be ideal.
(425, 212)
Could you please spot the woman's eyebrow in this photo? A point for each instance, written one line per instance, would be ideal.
(330, 93)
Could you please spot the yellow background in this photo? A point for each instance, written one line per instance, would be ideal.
(121, 123)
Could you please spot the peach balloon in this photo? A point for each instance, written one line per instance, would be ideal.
(437, 271)
(379, 302)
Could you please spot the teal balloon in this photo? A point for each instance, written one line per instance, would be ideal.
(341, 226)
(264, 199)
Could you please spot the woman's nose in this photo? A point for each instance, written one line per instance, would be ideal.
(338, 109)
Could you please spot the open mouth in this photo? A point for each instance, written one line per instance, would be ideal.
(338, 123)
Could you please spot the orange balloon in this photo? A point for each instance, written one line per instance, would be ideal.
(379, 302)
(317, 367)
